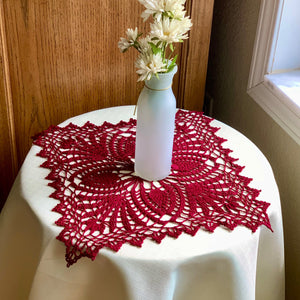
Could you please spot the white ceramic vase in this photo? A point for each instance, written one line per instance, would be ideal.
(155, 128)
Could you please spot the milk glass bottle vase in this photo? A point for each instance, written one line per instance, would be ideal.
(155, 128)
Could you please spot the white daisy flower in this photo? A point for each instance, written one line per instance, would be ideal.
(171, 30)
(123, 44)
(157, 7)
(152, 7)
(132, 35)
(149, 64)
(144, 44)
(175, 7)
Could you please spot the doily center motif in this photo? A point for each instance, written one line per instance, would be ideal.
(103, 204)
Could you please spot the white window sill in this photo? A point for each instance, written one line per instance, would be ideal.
(288, 87)
(280, 101)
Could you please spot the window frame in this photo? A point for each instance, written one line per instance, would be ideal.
(271, 99)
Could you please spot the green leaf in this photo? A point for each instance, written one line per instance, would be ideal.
(172, 64)
(168, 14)
(155, 49)
(172, 47)
(171, 15)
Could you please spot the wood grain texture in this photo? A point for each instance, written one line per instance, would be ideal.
(8, 158)
(6, 162)
(63, 60)
(195, 55)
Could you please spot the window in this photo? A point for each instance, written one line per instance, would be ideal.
(274, 81)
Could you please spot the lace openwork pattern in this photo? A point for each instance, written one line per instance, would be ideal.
(103, 204)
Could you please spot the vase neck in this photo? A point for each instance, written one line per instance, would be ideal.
(156, 89)
(163, 82)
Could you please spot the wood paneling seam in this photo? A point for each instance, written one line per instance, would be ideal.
(183, 63)
(8, 93)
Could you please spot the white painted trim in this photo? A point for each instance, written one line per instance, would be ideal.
(284, 81)
(278, 110)
(264, 43)
(264, 50)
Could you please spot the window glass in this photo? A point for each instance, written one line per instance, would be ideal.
(287, 53)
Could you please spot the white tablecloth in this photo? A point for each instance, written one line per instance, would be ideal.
(223, 265)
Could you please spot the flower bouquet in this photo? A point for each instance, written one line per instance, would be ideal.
(169, 26)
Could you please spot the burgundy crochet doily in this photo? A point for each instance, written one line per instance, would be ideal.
(103, 204)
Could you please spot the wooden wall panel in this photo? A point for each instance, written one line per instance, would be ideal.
(6, 160)
(63, 60)
(195, 55)
(8, 163)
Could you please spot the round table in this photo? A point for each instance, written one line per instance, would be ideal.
(223, 265)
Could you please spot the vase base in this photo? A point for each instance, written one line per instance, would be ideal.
(151, 178)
